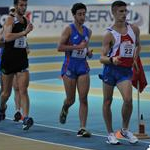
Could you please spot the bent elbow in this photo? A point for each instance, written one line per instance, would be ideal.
(7, 38)
(59, 48)
(100, 60)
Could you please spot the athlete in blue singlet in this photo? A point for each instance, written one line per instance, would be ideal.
(75, 63)
(75, 70)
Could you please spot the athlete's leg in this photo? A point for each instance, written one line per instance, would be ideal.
(70, 89)
(17, 99)
(23, 83)
(17, 94)
(83, 84)
(125, 88)
(107, 114)
(7, 86)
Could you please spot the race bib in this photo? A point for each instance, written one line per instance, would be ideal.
(127, 49)
(21, 42)
(79, 53)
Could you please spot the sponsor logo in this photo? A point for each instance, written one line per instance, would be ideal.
(75, 37)
(68, 73)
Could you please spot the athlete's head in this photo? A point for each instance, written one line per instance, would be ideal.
(78, 11)
(76, 7)
(20, 6)
(119, 10)
(17, 1)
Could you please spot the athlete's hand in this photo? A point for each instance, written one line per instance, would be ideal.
(136, 66)
(82, 45)
(116, 60)
(90, 53)
(29, 28)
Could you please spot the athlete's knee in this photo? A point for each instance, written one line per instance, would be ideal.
(23, 91)
(128, 102)
(84, 101)
(5, 95)
(83, 98)
(107, 102)
(70, 101)
(16, 88)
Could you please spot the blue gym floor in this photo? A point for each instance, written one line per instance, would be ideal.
(47, 94)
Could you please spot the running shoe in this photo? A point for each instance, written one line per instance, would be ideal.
(2, 113)
(111, 139)
(63, 116)
(17, 116)
(129, 135)
(83, 133)
(27, 123)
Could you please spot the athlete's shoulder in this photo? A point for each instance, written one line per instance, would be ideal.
(135, 28)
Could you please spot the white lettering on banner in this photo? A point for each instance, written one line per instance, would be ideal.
(95, 16)
(49, 21)
(48, 16)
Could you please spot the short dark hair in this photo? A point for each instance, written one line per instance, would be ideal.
(117, 4)
(17, 1)
(77, 6)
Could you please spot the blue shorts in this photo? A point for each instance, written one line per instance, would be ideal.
(112, 74)
(75, 68)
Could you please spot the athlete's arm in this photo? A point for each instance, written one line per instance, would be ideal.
(64, 42)
(27, 49)
(106, 45)
(8, 35)
(90, 52)
(1, 35)
(138, 44)
(1, 38)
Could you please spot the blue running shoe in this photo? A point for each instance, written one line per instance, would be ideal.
(27, 123)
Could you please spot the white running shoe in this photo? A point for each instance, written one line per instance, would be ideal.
(111, 139)
(129, 135)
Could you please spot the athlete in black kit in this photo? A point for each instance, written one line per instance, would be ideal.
(15, 60)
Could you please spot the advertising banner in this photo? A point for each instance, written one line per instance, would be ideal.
(49, 21)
